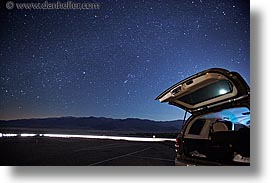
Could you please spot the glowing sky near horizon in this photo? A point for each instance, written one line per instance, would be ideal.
(114, 61)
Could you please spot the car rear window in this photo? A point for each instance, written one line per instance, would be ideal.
(208, 92)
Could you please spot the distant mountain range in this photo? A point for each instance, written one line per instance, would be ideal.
(95, 123)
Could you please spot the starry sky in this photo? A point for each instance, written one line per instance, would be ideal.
(114, 61)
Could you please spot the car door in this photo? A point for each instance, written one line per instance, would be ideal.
(207, 90)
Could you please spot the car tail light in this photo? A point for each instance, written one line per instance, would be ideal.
(178, 144)
(178, 140)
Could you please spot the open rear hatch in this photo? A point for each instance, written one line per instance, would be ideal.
(207, 89)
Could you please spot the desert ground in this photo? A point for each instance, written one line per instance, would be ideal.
(84, 152)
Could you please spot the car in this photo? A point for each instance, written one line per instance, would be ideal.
(217, 131)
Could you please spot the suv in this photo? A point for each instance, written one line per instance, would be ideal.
(217, 131)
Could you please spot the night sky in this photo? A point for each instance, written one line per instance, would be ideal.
(114, 61)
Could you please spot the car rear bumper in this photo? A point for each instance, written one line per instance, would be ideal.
(182, 161)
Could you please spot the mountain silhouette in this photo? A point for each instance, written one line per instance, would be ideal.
(95, 123)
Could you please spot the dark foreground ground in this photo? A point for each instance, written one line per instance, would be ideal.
(84, 152)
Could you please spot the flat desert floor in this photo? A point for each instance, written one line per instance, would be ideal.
(84, 152)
